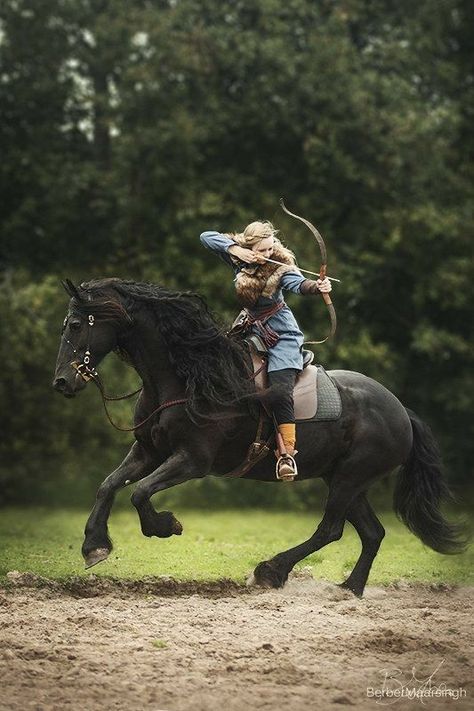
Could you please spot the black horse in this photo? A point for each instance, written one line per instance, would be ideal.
(183, 357)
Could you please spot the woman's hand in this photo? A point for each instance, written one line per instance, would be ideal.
(321, 286)
(246, 255)
(324, 285)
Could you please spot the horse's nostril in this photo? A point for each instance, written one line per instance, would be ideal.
(59, 384)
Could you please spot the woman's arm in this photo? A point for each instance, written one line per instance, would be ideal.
(219, 243)
(298, 284)
(291, 281)
(225, 246)
(320, 286)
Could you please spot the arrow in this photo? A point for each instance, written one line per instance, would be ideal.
(306, 271)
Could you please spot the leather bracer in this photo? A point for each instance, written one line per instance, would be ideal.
(309, 286)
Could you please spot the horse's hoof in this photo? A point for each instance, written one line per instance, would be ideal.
(96, 556)
(354, 589)
(177, 527)
(162, 525)
(167, 525)
(268, 575)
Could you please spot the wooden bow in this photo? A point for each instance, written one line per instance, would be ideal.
(322, 270)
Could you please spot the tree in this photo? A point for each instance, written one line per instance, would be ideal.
(130, 127)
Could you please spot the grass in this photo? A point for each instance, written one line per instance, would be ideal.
(159, 644)
(215, 544)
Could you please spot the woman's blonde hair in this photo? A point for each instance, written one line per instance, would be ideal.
(255, 232)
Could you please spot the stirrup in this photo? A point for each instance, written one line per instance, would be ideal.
(286, 468)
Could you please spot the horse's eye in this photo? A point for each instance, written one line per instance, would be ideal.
(75, 325)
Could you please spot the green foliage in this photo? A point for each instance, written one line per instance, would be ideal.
(48, 443)
(130, 127)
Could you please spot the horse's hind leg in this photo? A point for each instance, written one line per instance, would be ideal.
(274, 572)
(97, 544)
(371, 533)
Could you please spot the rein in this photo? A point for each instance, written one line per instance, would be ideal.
(112, 398)
(94, 376)
(163, 406)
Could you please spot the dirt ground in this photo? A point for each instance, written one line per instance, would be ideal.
(161, 645)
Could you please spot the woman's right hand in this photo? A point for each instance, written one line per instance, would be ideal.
(246, 255)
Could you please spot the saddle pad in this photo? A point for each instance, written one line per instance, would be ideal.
(329, 405)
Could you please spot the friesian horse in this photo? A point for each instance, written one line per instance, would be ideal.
(184, 358)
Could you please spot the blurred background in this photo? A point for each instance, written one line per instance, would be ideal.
(128, 127)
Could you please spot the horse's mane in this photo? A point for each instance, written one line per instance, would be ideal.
(212, 365)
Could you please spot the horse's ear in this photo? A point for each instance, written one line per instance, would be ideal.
(72, 290)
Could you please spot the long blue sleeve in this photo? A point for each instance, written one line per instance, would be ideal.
(218, 243)
(291, 281)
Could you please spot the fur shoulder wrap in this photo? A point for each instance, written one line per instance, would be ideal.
(264, 279)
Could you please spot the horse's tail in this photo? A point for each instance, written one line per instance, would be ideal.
(420, 490)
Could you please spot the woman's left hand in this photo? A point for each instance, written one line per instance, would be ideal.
(324, 285)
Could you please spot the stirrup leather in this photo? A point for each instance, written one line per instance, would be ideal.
(286, 469)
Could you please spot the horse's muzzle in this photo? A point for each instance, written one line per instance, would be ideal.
(62, 386)
(66, 388)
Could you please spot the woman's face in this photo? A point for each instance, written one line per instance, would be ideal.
(264, 247)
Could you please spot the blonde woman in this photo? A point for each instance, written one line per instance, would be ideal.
(259, 285)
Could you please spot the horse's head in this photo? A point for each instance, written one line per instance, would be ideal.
(90, 331)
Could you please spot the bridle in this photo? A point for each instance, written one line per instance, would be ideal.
(88, 373)
(85, 371)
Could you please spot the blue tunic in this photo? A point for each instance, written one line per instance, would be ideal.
(287, 352)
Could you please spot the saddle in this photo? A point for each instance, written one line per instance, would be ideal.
(305, 392)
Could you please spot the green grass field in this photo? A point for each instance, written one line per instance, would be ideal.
(224, 544)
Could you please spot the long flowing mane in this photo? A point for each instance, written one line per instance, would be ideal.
(212, 365)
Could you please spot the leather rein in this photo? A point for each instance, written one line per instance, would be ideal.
(93, 375)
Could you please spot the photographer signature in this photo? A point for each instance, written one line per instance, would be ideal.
(394, 687)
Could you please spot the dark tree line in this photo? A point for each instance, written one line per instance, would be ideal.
(128, 127)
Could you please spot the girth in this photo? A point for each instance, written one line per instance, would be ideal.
(258, 449)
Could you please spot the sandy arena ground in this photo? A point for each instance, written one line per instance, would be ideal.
(160, 645)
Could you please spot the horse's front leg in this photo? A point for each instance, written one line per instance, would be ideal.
(97, 544)
(178, 468)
